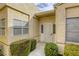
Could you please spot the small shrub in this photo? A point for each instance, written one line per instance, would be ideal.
(20, 48)
(51, 49)
(33, 44)
(1, 53)
(71, 50)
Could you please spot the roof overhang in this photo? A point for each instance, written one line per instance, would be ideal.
(45, 13)
(48, 13)
(57, 4)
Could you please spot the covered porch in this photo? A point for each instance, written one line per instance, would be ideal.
(44, 26)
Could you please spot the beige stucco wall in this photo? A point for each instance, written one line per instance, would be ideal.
(13, 14)
(3, 15)
(35, 29)
(72, 12)
(28, 8)
(4, 38)
(48, 19)
(62, 12)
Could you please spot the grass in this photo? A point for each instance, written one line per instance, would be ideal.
(71, 50)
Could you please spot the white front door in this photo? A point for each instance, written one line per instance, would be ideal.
(46, 31)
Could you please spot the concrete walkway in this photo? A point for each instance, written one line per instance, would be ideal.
(39, 51)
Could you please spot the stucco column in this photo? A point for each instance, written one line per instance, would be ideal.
(6, 50)
(35, 28)
(60, 28)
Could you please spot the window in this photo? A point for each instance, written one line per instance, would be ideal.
(72, 30)
(2, 27)
(20, 27)
(54, 28)
(41, 28)
(17, 31)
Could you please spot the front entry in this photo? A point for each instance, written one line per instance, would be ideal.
(46, 32)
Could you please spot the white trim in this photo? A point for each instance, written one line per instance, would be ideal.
(73, 43)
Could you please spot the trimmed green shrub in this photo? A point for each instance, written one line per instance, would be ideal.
(51, 49)
(71, 50)
(1, 53)
(33, 44)
(20, 48)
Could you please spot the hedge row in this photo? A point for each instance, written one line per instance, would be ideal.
(22, 47)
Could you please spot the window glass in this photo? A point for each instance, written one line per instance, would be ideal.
(25, 30)
(72, 29)
(20, 27)
(2, 23)
(2, 27)
(41, 28)
(54, 28)
(17, 31)
(2, 31)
